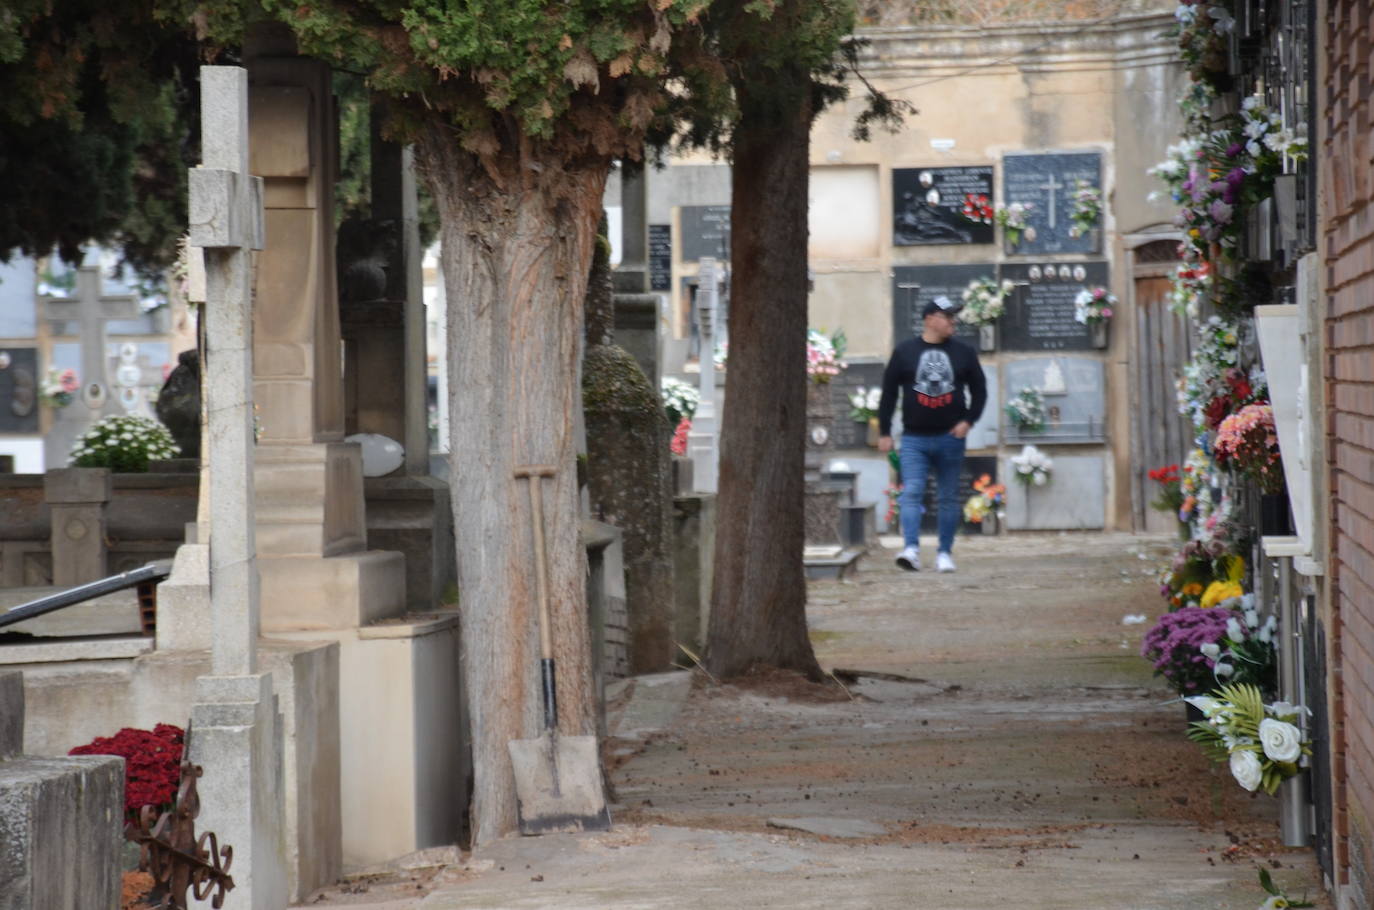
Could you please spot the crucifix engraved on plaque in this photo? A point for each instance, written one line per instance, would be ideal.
(1051, 185)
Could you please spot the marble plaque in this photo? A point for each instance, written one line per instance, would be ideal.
(1047, 183)
(705, 231)
(1040, 314)
(660, 257)
(984, 432)
(18, 298)
(913, 286)
(19, 387)
(850, 433)
(1075, 499)
(1074, 389)
(927, 205)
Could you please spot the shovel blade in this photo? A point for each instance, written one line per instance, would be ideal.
(558, 785)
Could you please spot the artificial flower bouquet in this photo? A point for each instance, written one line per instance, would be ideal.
(863, 403)
(988, 498)
(1027, 410)
(823, 355)
(124, 443)
(1174, 647)
(1087, 208)
(1248, 443)
(1262, 743)
(1032, 466)
(680, 399)
(978, 208)
(985, 300)
(1094, 305)
(59, 388)
(1012, 219)
(152, 764)
(1246, 653)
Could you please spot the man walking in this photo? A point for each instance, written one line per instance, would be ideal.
(932, 370)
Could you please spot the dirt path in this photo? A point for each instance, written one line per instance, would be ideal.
(1003, 743)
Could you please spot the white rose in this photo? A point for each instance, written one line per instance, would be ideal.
(1233, 630)
(1211, 651)
(1245, 768)
(1281, 741)
(1277, 902)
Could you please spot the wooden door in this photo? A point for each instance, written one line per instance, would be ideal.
(1163, 437)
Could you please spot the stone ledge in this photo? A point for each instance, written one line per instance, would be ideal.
(75, 649)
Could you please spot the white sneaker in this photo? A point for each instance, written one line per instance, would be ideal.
(910, 559)
(944, 562)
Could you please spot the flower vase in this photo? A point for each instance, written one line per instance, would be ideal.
(1100, 335)
(1274, 518)
(1193, 714)
(989, 524)
(872, 432)
(987, 336)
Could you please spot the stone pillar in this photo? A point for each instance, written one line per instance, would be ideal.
(11, 713)
(701, 441)
(632, 275)
(77, 497)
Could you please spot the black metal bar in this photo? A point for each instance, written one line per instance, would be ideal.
(151, 573)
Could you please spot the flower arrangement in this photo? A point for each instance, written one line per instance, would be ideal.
(1012, 219)
(1174, 647)
(1212, 384)
(1189, 285)
(823, 355)
(1032, 466)
(678, 446)
(987, 498)
(985, 300)
(864, 403)
(124, 444)
(59, 388)
(1170, 497)
(894, 495)
(1260, 742)
(1246, 654)
(1247, 442)
(1087, 208)
(1278, 898)
(680, 399)
(1027, 410)
(979, 208)
(1094, 305)
(1195, 568)
(1201, 29)
(152, 764)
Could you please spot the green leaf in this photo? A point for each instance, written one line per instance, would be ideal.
(1267, 882)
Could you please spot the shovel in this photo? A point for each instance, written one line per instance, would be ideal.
(557, 778)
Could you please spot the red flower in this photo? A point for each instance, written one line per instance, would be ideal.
(152, 763)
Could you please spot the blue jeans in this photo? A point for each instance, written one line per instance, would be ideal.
(920, 455)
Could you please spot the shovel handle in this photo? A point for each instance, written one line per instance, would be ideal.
(535, 475)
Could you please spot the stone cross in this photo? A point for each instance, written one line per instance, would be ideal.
(226, 221)
(1051, 185)
(701, 439)
(92, 310)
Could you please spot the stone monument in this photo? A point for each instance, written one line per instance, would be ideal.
(702, 443)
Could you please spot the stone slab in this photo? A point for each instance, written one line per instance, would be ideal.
(60, 832)
(834, 567)
(19, 380)
(112, 614)
(660, 257)
(1046, 182)
(705, 232)
(830, 827)
(913, 286)
(1074, 499)
(11, 713)
(75, 649)
(1074, 389)
(655, 700)
(927, 204)
(1040, 315)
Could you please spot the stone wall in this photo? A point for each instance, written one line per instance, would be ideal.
(1347, 207)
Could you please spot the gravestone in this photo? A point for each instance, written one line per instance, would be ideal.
(660, 257)
(984, 434)
(1074, 389)
(1047, 183)
(1074, 499)
(913, 286)
(974, 466)
(847, 432)
(702, 438)
(927, 205)
(91, 309)
(1040, 314)
(19, 381)
(18, 296)
(705, 232)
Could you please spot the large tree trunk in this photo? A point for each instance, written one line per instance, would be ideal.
(517, 242)
(758, 601)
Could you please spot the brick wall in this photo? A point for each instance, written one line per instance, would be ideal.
(1347, 215)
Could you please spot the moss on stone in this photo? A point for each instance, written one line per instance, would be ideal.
(613, 383)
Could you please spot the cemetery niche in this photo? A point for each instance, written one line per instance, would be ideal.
(705, 232)
(660, 257)
(19, 390)
(848, 433)
(1040, 315)
(974, 466)
(1073, 389)
(928, 205)
(1046, 183)
(913, 286)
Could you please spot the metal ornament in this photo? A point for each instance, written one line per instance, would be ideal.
(172, 853)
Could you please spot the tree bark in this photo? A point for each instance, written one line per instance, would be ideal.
(758, 602)
(517, 233)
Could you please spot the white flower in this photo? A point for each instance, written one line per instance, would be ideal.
(1277, 902)
(1251, 102)
(1222, 669)
(1281, 741)
(1204, 703)
(1246, 769)
(1252, 148)
(1211, 651)
(1233, 630)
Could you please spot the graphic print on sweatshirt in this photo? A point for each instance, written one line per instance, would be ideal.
(934, 379)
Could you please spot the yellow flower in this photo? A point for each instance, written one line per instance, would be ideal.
(1218, 591)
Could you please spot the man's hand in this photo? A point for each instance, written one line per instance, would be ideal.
(961, 429)
(884, 444)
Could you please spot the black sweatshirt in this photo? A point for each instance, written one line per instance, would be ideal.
(932, 378)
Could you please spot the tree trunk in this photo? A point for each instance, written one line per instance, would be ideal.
(517, 242)
(758, 601)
